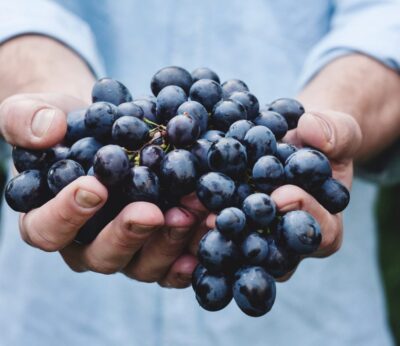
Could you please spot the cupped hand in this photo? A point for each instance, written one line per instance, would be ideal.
(141, 242)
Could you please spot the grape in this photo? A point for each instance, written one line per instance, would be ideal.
(56, 153)
(84, 150)
(215, 191)
(254, 291)
(196, 110)
(231, 222)
(225, 113)
(200, 151)
(259, 209)
(217, 253)
(25, 159)
(151, 156)
(76, 128)
(307, 168)
(268, 173)
(63, 173)
(183, 130)
(255, 249)
(142, 185)
(110, 90)
(213, 135)
(99, 119)
(204, 73)
(179, 172)
(228, 156)
(290, 109)
(27, 191)
(168, 101)
(274, 121)
(198, 272)
(232, 85)
(332, 195)
(207, 92)
(249, 102)
(149, 109)
(111, 165)
(171, 75)
(284, 150)
(259, 141)
(239, 129)
(130, 132)
(130, 109)
(242, 191)
(279, 261)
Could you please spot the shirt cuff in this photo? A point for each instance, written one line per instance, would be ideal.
(49, 19)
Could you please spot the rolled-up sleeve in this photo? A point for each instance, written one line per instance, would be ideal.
(45, 17)
(370, 27)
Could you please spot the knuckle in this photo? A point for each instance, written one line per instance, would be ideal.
(139, 274)
(100, 267)
(38, 240)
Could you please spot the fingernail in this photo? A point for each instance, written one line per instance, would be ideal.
(185, 278)
(138, 228)
(289, 207)
(324, 125)
(42, 121)
(178, 233)
(86, 199)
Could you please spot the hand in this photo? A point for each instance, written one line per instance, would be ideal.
(339, 137)
(141, 242)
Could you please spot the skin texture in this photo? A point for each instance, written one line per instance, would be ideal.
(168, 242)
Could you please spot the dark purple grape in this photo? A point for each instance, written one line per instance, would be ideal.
(171, 75)
(231, 222)
(57, 153)
(179, 172)
(225, 113)
(27, 191)
(110, 90)
(215, 191)
(151, 98)
(99, 118)
(27, 159)
(332, 195)
(198, 272)
(233, 85)
(111, 165)
(239, 129)
(307, 168)
(228, 156)
(63, 173)
(213, 291)
(76, 128)
(151, 156)
(204, 73)
(213, 135)
(130, 132)
(196, 110)
(168, 101)
(242, 191)
(259, 141)
(249, 102)
(268, 174)
(183, 130)
(255, 249)
(207, 92)
(274, 121)
(254, 291)
(149, 109)
(130, 109)
(260, 209)
(142, 184)
(83, 151)
(217, 253)
(200, 151)
(284, 150)
(280, 261)
(290, 109)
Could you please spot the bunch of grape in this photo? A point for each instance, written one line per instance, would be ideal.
(194, 134)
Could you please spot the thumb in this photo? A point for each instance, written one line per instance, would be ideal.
(336, 134)
(36, 120)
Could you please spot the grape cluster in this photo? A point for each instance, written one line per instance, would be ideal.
(194, 134)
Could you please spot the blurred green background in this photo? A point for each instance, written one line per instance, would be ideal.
(388, 217)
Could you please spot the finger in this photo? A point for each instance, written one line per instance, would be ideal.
(180, 274)
(336, 134)
(163, 248)
(290, 197)
(56, 223)
(210, 221)
(119, 241)
(198, 233)
(193, 204)
(35, 120)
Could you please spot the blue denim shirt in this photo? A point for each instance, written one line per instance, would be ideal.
(276, 47)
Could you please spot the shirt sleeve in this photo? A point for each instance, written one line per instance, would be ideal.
(45, 17)
(370, 27)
